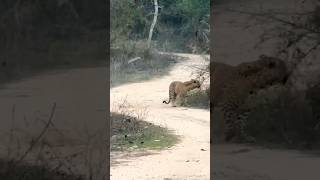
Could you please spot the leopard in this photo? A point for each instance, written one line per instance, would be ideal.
(232, 84)
(179, 90)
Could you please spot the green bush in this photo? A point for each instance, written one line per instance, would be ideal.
(279, 116)
(180, 23)
(198, 98)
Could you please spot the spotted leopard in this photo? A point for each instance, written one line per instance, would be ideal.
(178, 90)
(233, 84)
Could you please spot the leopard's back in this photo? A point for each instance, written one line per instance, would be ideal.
(231, 85)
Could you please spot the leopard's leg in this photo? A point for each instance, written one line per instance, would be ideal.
(183, 100)
(230, 117)
(173, 103)
(180, 99)
(236, 121)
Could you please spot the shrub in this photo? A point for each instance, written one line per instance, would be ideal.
(280, 116)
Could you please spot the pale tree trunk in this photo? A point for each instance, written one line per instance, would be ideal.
(156, 7)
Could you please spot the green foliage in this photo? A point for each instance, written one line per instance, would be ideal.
(127, 21)
(180, 23)
(40, 35)
(280, 116)
(198, 99)
(195, 9)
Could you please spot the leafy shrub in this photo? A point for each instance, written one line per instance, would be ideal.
(198, 98)
(279, 116)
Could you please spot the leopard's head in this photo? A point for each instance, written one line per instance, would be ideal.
(196, 83)
(264, 72)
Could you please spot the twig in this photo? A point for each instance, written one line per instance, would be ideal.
(311, 49)
(33, 143)
(271, 17)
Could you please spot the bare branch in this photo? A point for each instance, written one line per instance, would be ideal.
(37, 139)
(268, 15)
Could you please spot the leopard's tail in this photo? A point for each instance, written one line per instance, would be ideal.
(171, 95)
(166, 101)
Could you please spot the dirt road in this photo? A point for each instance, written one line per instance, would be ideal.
(242, 162)
(80, 98)
(190, 159)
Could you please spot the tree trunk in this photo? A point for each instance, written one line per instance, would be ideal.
(156, 7)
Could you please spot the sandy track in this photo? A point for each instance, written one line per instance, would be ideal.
(74, 91)
(241, 162)
(80, 97)
(186, 160)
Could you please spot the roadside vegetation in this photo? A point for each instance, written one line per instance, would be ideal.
(129, 131)
(45, 35)
(134, 62)
(32, 172)
(200, 98)
(36, 150)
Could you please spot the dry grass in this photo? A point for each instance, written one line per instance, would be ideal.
(129, 131)
(51, 153)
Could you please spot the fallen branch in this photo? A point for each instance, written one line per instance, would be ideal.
(37, 139)
(134, 59)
